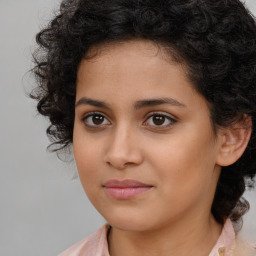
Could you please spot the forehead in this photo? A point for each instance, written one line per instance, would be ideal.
(127, 57)
(146, 48)
(123, 73)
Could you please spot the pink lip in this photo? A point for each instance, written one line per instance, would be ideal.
(125, 189)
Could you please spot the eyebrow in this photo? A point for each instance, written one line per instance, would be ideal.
(138, 104)
(96, 103)
(155, 102)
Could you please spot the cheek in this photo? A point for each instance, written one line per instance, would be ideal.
(185, 176)
(86, 155)
(185, 161)
(87, 161)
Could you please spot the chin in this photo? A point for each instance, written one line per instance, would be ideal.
(128, 222)
(132, 226)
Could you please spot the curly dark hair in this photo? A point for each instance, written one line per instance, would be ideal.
(216, 40)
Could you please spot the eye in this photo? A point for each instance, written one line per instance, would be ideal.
(159, 120)
(95, 119)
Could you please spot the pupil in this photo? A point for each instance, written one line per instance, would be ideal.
(97, 119)
(158, 120)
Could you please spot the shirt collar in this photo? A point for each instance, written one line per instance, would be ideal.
(223, 247)
(226, 242)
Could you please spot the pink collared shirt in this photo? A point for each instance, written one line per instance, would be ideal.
(96, 244)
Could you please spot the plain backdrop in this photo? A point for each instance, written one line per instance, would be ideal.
(43, 207)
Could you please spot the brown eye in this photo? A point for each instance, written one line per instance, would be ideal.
(95, 120)
(160, 121)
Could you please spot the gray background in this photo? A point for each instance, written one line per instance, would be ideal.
(43, 208)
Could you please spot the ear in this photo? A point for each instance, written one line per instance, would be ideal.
(233, 141)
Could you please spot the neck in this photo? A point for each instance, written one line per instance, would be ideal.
(195, 237)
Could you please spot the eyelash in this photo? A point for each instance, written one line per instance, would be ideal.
(171, 120)
(166, 117)
(91, 114)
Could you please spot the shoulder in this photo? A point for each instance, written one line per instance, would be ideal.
(232, 243)
(244, 248)
(93, 245)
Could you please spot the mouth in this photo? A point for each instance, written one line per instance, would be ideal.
(125, 189)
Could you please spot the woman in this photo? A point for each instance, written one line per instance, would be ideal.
(158, 100)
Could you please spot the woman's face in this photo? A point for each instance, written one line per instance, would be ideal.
(143, 141)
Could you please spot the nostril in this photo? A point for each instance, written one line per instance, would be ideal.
(119, 165)
(122, 151)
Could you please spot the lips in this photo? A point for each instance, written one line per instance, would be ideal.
(125, 189)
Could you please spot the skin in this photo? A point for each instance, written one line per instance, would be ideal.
(179, 159)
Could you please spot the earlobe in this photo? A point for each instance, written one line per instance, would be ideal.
(233, 141)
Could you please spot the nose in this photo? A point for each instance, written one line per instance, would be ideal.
(123, 149)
